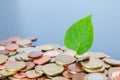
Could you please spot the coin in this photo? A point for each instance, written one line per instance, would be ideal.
(30, 65)
(27, 49)
(4, 72)
(39, 68)
(74, 68)
(94, 70)
(79, 76)
(33, 74)
(35, 54)
(64, 59)
(117, 77)
(112, 61)
(19, 75)
(59, 78)
(42, 60)
(97, 54)
(14, 38)
(70, 52)
(15, 66)
(11, 47)
(52, 53)
(115, 74)
(3, 59)
(46, 47)
(82, 58)
(4, 52)
(22, 42)
(67, 74)
(32, 38)
(12, 53)
(95, 76)
(3, 66)
(113, 69)
(93, 63)
(2, 48)
(24, 56)
(52, 69)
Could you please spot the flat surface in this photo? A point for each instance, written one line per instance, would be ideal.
(49, 19)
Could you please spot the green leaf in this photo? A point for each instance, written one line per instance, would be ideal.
(79, 36)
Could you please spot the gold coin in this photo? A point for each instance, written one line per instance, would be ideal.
(4, 72)
(46, 47)
(97, 54)
(15, 66)
(2, 48)
(63, 59)
(12, 58)
(70, 52)
(13, 78)
(52, 69)
(3, 59)
(92, 63)
(60, 78)
(24, 56)
(12, 53)
(22, 42)
(106, 65)
(39, 68)
(33, 74)
(112, 61)
(27, 49)
(95, 76)
(94, 70)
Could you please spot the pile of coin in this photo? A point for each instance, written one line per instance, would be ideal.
(20, 59)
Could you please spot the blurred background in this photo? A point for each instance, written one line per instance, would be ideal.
(49, 19)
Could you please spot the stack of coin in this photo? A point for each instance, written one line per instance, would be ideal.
(20, 59)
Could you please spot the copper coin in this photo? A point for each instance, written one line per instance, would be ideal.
(74, 68)
(116, 73)
(19, 75)
(32, 38)
(30, 65)
(14, 38)
(11, 47)
(42, 60)
(67, 74)
(79, 76)
(117, 77)
(4, 42)
(5, 52)
(35, 54)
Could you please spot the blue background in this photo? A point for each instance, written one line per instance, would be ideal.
(49, 19)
